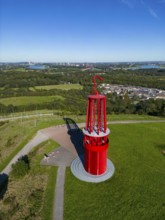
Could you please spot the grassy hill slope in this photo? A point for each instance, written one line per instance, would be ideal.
(137, 189)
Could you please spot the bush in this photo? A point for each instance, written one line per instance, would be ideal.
(21, 167)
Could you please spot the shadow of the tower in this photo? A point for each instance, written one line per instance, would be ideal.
(76, 136)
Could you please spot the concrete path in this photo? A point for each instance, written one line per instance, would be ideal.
(39, 138)
(60, 135)
(59, 194)
(58, 157)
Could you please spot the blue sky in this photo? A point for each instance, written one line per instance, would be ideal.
(82, 30)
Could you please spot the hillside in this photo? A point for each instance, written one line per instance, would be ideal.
(138, 183)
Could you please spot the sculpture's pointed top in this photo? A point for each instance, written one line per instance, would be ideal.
(94, 89)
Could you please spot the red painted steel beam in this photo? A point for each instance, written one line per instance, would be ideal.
(95, 158)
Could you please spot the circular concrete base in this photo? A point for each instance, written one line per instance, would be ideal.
(79, 172)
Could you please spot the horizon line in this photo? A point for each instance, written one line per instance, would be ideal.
(82, 61)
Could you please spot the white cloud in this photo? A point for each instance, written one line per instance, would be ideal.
(149, 9)
(129, 3)
(133, 3)
(153, 13)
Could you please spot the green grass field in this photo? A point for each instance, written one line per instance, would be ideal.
(137, 189)
(61, 86)
(27, 100)
(15, 135)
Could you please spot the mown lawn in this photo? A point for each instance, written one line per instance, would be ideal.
(61, 86)
(119, 117)
(135, 192)
(137, 189)
(27, 100)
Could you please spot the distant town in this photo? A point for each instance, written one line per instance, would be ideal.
(87, 65)
(134, 91)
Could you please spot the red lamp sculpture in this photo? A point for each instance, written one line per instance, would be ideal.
(96, 166)
(96, 133)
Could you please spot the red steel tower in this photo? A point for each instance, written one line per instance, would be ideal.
(96, 133)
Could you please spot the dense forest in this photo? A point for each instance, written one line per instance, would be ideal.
(16, 83)
(153, 78)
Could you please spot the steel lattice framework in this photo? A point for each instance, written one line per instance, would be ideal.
(96, 133)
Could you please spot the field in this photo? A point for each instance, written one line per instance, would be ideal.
(27, 100)
(15, 134)
(80, 118)
(62, 87)
(31, 196)
(137, 189)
